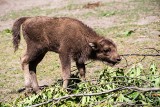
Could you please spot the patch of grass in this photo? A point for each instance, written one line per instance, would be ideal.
(88, 14)
(8, 66)
(130, 14)
(72, 6)
(6, 32)
(117, 31)
(98, 13)
(107, 13)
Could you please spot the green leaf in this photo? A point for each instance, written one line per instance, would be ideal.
(157, 82)
(134, 95)
(128, 33)
(153, 69)
(138, 71)
(120, 98)
(84, 100)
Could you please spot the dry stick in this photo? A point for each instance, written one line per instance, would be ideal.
(126, 104)
(95, 94)
(97, 103)
(126, 61)
(144, 56)
(158, 51)
(154, 55)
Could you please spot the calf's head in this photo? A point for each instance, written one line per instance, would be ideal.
(105, 50)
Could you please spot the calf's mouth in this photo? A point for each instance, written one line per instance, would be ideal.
(111, 63)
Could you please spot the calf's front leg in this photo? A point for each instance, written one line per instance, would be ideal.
(66, 69)
(82, 70)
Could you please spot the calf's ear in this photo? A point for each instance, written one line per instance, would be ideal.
(93, 46)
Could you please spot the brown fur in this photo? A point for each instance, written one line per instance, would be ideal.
(68, 37)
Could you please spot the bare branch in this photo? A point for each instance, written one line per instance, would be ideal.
(158, 51)
(128, 104)
(154, 55)
(125, 60)
(142, 89)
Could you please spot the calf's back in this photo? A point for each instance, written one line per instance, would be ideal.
(56, 33)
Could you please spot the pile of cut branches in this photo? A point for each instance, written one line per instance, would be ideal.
(114, 87)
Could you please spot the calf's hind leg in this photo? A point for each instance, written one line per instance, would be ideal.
(29, 63)
(25, 68)
(32, 69)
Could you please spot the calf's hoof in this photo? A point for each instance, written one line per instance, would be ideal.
(29, 91)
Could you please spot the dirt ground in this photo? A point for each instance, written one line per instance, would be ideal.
(8, 6)
(110, 18)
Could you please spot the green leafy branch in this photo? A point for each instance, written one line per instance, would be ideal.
(96, 94)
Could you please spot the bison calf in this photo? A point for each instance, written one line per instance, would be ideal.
(68, 37)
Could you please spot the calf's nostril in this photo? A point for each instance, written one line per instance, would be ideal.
(118, 59)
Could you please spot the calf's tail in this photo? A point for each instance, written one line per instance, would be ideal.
(16, 31)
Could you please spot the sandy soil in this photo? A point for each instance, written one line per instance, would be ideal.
(7, 6)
